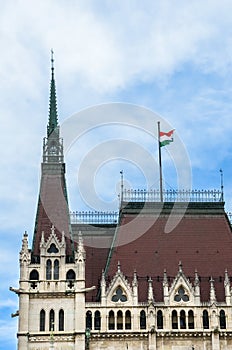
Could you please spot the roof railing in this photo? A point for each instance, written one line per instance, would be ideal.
(111, 217)
(94, 217)
(172, 195)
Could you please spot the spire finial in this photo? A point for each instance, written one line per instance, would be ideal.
(53, 118)
(222, 186)
(180, 267)
(119, 267)
(52, 58)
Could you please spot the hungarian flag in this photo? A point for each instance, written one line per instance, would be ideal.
(166, 137)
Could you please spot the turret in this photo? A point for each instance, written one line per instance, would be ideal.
(227, 289)
(213, 298)
(197, 292)
(165, 288)
(150, 292)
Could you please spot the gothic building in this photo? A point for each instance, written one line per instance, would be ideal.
(150, 290)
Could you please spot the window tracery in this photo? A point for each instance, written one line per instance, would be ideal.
(181, 295)
(119, 296)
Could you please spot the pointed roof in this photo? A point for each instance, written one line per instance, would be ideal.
(53, 206)
(53, 117)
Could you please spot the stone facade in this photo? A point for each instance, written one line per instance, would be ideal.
(53, 313)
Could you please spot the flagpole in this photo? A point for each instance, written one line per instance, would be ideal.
(160, 165)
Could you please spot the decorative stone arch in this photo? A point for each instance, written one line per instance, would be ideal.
(119, 290)
(181, 290)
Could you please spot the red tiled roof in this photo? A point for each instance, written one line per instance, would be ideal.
(95, 262)
(202, 242)
(52, 210)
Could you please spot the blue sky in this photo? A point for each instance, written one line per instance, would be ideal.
(172, 57)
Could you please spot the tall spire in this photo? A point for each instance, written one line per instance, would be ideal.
(52, 210)
(53, 117)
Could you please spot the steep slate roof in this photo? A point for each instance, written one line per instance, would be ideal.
(97, 241)
(202, 241)
(52, 210)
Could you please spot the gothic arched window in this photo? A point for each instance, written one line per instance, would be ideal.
(88, 320)
(61, 320)
(119, 320)
(205, 319)
(128, 320)
(182, 319)
(34, 275)
(56, 270)
(51, 320)
(159, 319)
(222, 318)
(190, 319)
(111, 321)
(174, 320)
(70, 275)
(49, 270)
(143, 323)
(97, 320)
(42, 321)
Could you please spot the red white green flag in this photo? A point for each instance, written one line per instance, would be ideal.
(166, 137)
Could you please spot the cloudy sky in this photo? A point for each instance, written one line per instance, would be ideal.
(170, 57)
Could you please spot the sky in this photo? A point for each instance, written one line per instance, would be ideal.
(162, 60)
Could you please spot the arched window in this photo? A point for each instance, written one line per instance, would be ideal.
(190, 319)
(56, 269)
(42, 321)
(70, 275)
(97, 320)
(128, 320)
(222, 318)
(34, 275)
(49, 270)
(61, 320)
(205, 319)
(143, 322)
(119, 320)
(88, 320)
(51, 320)
(182, 320)
(174, 320)
(111, 320)
(160, 320)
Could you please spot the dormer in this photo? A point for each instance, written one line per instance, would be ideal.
(181, 292)
(119, 292)
(52, 247)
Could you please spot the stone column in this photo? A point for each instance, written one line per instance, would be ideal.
(152, 339)
(23, 328)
